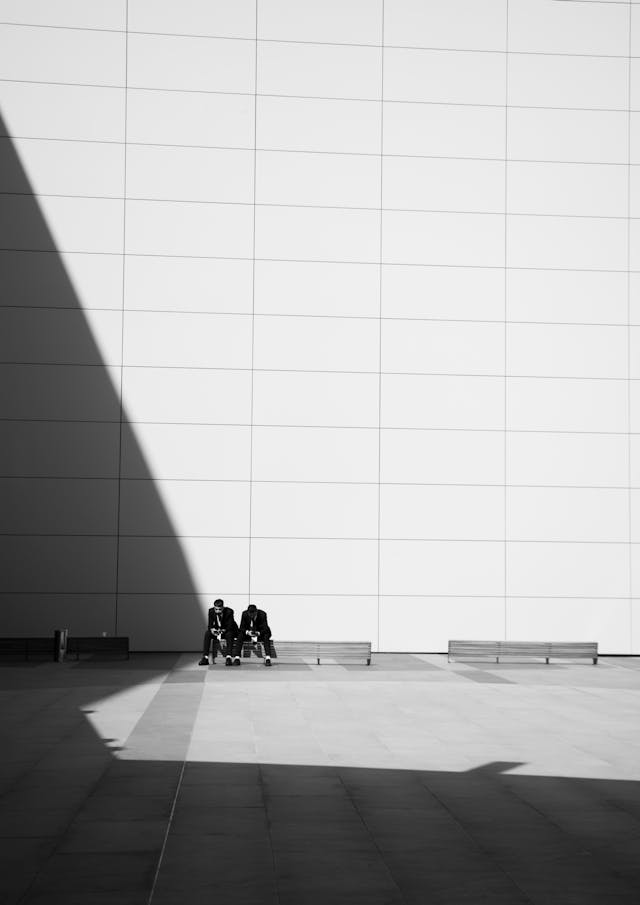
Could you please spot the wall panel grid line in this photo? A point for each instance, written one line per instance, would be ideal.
(323, 97)
(288, 41)
(321, 207)
(317, 153)
(380, 310)
(253, 297)
(124, 286)
(392, 264)
(332, 317)
(630, 502)
(337, 427)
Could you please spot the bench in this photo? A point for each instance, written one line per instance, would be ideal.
(338, 651)
(111, 644)
(560, 650)
(23, 647)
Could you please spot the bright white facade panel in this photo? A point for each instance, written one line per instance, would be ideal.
(567, 296)
(440, 567)
(443, 185)
(324, 510)
(317, 234)
(567, 189)
(317, 124)
(442, 130)
(319, 70)
(315, 399)
(195, 17)
(441, 457)
(333, 21)
(574, 136)
(187, 340)
(189, 118)
(463, 24)
(543, 26)
(63, 55)
(557, 459)
(567, 350)
(576, 82)
(577, 243)
(156, 283)
(567, 514)
(190, 174)
(341, 180)
(37, 279)
(317, 288)
(78, 112)
(443, 293)
(567, 570)
(330, 567)
(92, 14)
(197, 64)
(441, 513)
(443, 238)
(193, 229)
(315, 454)
(316, 343)
(547, 404)
(475, 403)
(444, 76)
(442, 347)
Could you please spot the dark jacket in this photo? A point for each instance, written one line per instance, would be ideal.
(260, 624)
(227, 622)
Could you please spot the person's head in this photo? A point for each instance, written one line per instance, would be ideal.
(218, 606)
(252, 609)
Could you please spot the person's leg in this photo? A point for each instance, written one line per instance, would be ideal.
(206, 644)
(230, 639)
(237, 651)
(266, 643)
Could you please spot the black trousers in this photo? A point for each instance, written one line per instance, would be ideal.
(265, 640)
(228, 636)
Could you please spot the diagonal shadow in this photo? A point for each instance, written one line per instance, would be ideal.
(78, 495)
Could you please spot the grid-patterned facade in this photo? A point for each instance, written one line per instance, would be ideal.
(362, 279)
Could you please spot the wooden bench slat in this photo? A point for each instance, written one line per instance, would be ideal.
(565, 650)
(321, 650)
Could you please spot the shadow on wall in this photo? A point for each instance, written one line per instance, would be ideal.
(70, 557)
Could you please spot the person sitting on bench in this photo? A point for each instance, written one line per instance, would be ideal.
(221, 626)
(253, 627)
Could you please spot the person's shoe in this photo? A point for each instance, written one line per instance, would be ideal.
(204, 662)
(236, 661)
(267, 661)
(228, 661)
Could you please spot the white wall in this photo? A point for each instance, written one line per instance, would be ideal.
(379, 363)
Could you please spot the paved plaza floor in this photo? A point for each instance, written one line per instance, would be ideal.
(156, 782)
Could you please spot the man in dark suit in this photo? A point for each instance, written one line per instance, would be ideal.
(253, 627)
(221, 626)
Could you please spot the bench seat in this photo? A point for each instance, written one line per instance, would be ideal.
(23, 647)
(546, 650)
(335, 651)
